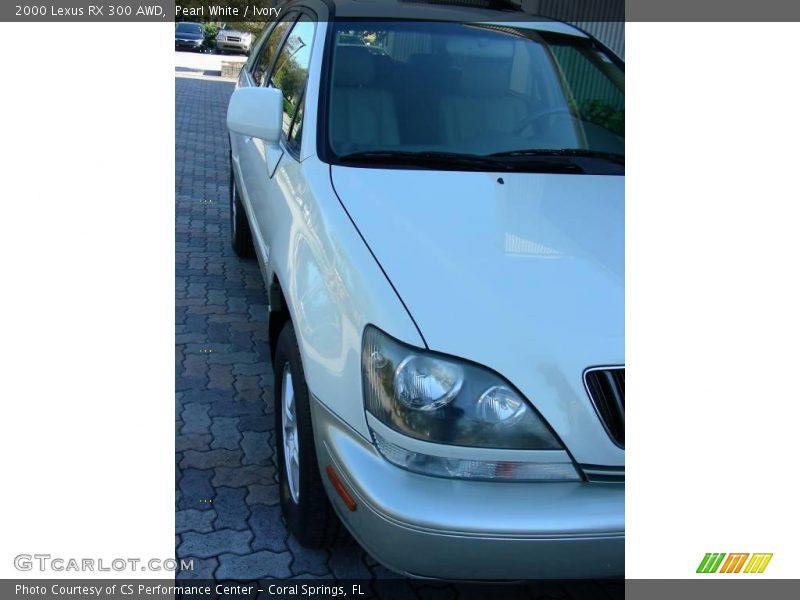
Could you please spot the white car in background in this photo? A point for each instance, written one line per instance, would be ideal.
(435, 197)
(231, 40)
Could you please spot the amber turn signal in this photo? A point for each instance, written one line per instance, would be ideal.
(340, 489)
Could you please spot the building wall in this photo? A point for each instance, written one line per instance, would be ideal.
(612, 34)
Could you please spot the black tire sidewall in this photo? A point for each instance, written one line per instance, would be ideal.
(232, 196)
(308, 519)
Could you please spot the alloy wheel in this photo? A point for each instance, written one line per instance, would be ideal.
(291, 447)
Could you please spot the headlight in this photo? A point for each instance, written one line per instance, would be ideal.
(443, 400)
(427, 384)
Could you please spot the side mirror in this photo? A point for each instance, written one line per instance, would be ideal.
(257, 112)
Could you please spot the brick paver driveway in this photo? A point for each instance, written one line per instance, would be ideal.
(228, 515)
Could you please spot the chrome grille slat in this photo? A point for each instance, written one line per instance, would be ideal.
(606, 389)
(601, 474)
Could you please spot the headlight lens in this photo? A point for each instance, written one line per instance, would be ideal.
(447, 401)
(427, 384)
(499, 404)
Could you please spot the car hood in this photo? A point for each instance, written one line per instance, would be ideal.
(188, 36)
(232, 32)
(523, 273)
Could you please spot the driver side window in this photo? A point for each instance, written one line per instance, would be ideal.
(290, 74)
(270, 48)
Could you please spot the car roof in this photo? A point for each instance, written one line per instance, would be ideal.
(400, 9)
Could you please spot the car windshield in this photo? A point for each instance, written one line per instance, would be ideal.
(188, 28)
(401, 91)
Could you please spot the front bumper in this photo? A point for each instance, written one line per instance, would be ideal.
(189, 44)
(456, 529)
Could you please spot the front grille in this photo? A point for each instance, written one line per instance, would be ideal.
(601, 474)
(233, 39)
(606, 388)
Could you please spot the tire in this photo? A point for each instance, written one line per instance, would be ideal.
(241, 237)
(308, 513)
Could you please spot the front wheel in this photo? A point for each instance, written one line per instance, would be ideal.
(308, 513)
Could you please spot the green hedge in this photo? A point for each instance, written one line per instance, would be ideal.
(210, 31)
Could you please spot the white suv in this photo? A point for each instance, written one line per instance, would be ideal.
(435, 196)
(231, 40)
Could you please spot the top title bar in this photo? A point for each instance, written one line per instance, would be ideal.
(255, 10)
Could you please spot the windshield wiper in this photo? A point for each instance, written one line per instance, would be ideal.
(567, 152)
(426, 158)
(457, 160)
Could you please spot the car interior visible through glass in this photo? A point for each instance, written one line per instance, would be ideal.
(404, 90)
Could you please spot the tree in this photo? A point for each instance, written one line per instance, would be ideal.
(289, 79)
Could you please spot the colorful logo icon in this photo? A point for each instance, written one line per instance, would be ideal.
(734, 563)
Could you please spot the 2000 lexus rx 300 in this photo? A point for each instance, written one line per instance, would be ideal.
(435, 199)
